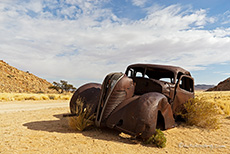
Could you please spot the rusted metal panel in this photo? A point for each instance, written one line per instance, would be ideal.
(174, 69)
(184, 92)
(121, 89)
(138, 115)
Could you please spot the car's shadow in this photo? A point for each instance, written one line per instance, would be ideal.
(61, 126)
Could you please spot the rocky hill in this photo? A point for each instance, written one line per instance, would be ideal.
(14, 80)
(222, 86)
(203, 86)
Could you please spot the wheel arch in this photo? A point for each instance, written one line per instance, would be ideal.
(139, 115)
(89, 93)
(161, 113)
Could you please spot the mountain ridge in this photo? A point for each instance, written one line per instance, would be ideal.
(203, 86)
(222, 86)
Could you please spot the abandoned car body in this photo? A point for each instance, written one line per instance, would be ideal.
(146, 97)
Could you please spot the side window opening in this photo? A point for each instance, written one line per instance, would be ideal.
(169, 80)
(146, 76)
(139, 74)
(186, 84)
(130, 73)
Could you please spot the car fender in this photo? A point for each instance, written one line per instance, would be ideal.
(138, 115)
(89, 93)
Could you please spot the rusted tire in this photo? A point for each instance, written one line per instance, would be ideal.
(88, 93)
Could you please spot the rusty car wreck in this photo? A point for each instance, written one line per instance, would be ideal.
(140, 100)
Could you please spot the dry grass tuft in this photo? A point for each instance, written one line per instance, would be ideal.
(83, 118)
(220, 98)
(33, 96)
(201, 113)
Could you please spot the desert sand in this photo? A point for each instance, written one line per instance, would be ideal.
(40, 128)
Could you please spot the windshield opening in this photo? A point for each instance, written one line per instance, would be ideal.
(152, 73)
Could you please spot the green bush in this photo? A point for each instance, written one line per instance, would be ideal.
(158, 138)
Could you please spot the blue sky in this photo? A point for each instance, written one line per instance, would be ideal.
(83, 40)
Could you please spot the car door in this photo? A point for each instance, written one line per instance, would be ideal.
(183, 92)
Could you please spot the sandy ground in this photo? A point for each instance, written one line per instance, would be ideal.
(40, 128)
(27, 105)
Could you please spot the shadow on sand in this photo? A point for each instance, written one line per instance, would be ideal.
(61, 126)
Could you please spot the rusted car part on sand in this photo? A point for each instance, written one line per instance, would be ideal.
(146, 97)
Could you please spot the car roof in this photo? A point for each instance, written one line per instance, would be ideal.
(174, 69)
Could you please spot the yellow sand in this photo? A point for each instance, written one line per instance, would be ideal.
(46, 131)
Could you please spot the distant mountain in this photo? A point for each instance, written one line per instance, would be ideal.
(14, 80)
(203, 86)
(222, 86)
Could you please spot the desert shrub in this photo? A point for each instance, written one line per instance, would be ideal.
(40, 92)
(65, 97)
(158, 139)
(57, 97)
(51, 97)
(201, 113)
(4, 98)
(83, 118)
(18, 97)
(31, 98)
(44, 97)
